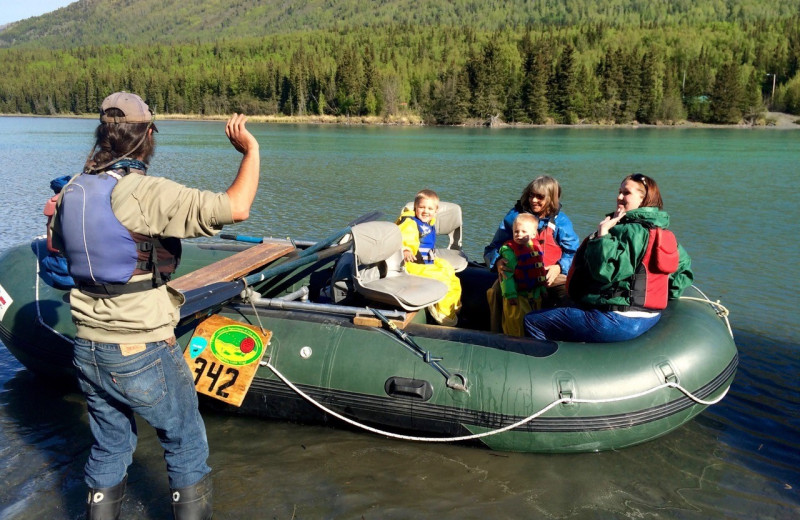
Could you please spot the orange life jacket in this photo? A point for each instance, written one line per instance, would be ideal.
(530, 272)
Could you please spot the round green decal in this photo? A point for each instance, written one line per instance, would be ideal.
(236, 345)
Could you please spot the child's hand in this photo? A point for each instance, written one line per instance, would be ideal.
(408, 256)
(512, 302)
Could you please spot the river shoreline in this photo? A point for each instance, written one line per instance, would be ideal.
(773, 120)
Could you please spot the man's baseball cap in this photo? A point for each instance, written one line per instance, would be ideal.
(133, 108)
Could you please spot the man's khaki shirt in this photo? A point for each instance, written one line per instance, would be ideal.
(155, 207)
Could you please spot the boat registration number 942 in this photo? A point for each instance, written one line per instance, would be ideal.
(224, 356)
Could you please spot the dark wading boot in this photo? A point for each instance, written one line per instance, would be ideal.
(105, 503)
(193, 502)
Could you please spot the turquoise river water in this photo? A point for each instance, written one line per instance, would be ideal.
(733, 197)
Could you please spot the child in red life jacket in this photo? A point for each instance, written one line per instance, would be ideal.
(522, 292)
(419, 242)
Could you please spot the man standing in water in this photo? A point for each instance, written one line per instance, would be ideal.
(120, 231)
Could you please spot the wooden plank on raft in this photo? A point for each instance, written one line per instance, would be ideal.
(372, 321)
(234, 266)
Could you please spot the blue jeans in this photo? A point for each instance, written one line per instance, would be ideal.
(157, 384)
(591, 326)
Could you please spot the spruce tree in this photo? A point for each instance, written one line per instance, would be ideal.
(726, 95)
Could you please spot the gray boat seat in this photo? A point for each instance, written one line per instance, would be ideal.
(449, 222)
(378, 272)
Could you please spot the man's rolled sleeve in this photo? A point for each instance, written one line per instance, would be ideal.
(164, 208)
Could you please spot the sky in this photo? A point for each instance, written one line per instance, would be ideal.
(14, 10)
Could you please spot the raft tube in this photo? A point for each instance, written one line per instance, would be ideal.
(441, 383)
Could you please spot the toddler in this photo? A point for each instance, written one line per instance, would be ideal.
(419, 242)
(522, 291)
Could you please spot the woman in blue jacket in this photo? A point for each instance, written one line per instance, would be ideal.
(555, 234)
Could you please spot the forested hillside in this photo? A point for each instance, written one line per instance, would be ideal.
(550, 61)
(93, 22)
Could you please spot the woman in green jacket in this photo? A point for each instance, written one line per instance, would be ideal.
(623, 273)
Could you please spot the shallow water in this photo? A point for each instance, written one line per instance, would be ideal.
(731, 194)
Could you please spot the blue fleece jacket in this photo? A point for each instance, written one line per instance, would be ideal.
(565, 237)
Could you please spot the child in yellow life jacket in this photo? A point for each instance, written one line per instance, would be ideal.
(523, 291)
(419, 241)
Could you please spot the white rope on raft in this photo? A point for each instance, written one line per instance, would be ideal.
(563, 400)
(722, 311)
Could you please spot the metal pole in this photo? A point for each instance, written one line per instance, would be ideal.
(772, 96)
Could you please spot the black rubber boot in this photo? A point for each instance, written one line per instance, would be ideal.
(105, 503)
(193, 502)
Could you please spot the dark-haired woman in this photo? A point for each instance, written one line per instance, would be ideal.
(120, 230)
(622, 275)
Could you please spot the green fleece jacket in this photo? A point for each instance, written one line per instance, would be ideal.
(608, 263)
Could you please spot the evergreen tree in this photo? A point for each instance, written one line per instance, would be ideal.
(726, 96)
(630, 91)
(449, 99)
(650, 93)
(487, 79)
(349, 80)
(534, 80)
(751, 105)
(671, 109)
(611, 80)
(565, 87)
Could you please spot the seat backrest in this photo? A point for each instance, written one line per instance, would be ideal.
(378, 272)
(449, 221)
(378, 242)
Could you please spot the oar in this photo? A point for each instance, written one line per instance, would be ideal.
(241, 238)
(203, 299)
(367, 217)
(427, 357)
(305, 255)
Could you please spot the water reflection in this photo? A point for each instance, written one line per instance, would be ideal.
(739, 459)
(731, 462)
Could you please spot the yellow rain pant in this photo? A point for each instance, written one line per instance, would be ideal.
(445, 311)
(513, 315)
(494, 297)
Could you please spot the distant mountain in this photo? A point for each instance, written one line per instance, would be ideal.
(97, 22)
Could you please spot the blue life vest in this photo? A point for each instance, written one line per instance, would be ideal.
(427, 241)
(103, 254)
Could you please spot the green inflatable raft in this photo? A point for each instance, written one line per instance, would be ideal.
(340, 351)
